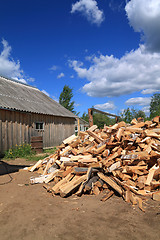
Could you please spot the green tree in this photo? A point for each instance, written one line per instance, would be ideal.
(65, 98)
(140, 113)
(128, 114)
(155, 105)
(85, 117)
(99, 119)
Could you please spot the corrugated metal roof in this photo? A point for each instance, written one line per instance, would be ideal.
(15, 95)
(81, 121)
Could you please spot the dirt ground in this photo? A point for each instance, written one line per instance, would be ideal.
(29, 212)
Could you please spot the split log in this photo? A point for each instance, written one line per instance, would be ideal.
(107, 196)
(72, 185)
(111, 183)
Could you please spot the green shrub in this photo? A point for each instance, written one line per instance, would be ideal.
(19, 151)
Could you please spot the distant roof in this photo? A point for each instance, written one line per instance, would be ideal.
(15, 95)
(81, 121)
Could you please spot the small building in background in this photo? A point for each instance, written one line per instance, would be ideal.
(27, 112)
(83, 125)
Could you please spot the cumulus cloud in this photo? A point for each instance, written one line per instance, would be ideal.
(45, 92)
(110, 76)
(77, 104)
(150, 91)
(137, 70)
(116, 6)
(54, 68)
(90, 10)
(105, 106)
(61, 75)
(9, 67)
(146, 110)
(144, 17)
(138, 101)
(55, 98)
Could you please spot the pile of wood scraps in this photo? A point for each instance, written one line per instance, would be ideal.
(123, 159)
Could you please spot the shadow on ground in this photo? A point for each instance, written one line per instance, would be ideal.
(6, 168)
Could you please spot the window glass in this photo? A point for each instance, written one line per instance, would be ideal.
(39, 126)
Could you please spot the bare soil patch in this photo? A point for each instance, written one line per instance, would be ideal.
(28, 212)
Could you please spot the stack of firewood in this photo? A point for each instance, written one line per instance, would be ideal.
(123, 159)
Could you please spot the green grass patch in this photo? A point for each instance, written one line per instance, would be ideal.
(35, 157)
(50, 150)
(19, 151)
(25, 151)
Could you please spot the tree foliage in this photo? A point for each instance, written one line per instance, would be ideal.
(99, 119)
(65, 98)
(128, 114)
(155, 105)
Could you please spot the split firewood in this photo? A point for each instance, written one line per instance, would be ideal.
(111, 183)
(122, 158)
(107, 196)
(37, 165)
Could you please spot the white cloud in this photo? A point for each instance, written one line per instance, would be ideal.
(54, 68)
(144, 17)
(137, 70)
(72, 76)
(9, 67)
(116, 6)
(150, 91)
(44, 91)
(61, 75)
(105, 106)
(138, 101)
(110, 76)
(55, 98)
(77, 104)
(90, 10)
(146, 110)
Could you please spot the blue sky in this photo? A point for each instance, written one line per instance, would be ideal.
(108, 51)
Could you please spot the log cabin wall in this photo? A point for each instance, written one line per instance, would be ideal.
(17, 128)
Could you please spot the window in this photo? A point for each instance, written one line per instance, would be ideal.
(39, 125)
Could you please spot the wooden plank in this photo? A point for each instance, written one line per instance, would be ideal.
(107, 196)
(138, 125)
(150, 133)
(119, 134)
(156, 196)
(92, 128)
(95, 136)
(100, 149)
(114, 166)
(88, 185)
(70, 139)
(134, 130)
(82, 170)
(51, 176)
(72, 185)
(151, 174)
(89, 172)
(55, 188)
(111, 183)
(37, 165)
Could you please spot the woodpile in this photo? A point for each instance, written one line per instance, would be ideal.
(121, 159)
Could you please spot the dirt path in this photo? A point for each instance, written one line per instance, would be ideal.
(29, 212)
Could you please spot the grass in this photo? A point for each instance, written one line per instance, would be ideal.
(50, 151)
(25, 151)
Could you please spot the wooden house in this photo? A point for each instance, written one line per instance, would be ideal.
(83, 125)
(25, 112)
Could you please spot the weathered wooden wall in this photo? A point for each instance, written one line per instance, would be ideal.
(18, 128)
